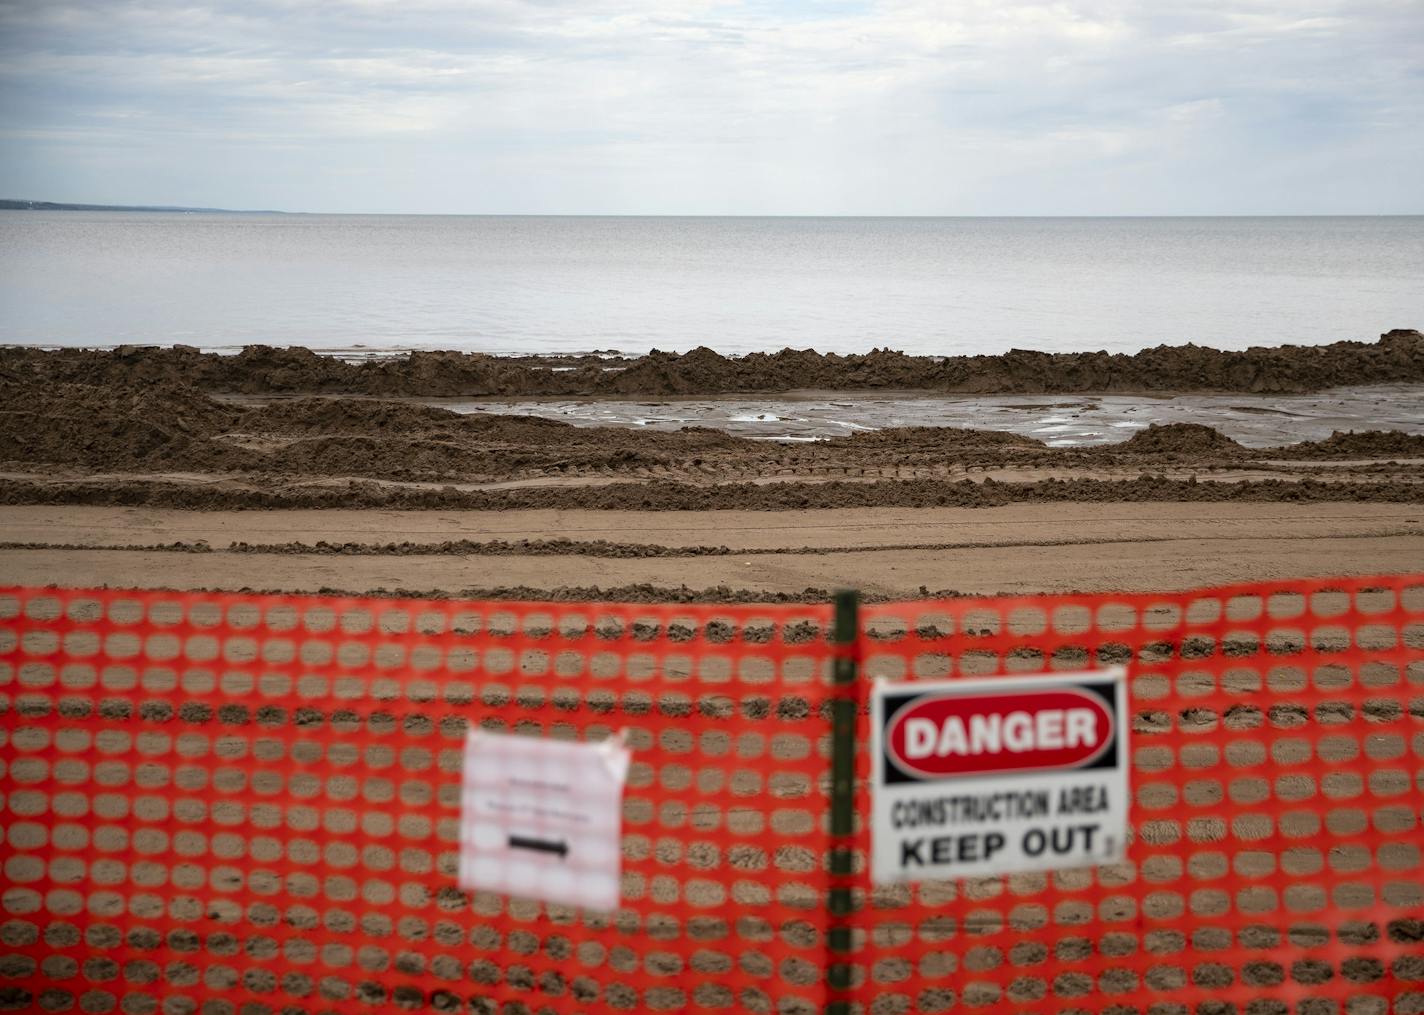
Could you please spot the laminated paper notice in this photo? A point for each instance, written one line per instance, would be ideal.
(543, 819)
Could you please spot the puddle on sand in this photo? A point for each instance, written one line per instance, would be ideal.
(1254, 420)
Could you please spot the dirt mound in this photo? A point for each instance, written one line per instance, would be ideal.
(343, 415)
(127, 427)
(408, 458)
(358, 437)
(116, 427)
(524, 430)
(485, 548)
(174, 427)
(370, 417)
(1397, 357)
(620, 441)
(668, 373)
(178, 407)
(940, 438)
(1365, 444)
(112, 443)
(1176, 438)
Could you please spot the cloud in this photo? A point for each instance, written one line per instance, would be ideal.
(899, 106)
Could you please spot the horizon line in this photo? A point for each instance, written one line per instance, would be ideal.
(8, 204)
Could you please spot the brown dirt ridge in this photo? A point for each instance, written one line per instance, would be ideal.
(603, 548)
(641, 593)
(672, 496)
(1397, 357)
(321, 450)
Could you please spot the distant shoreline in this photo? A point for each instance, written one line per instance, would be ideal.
(16, 204)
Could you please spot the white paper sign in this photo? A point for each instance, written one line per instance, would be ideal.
(543, 819)
(978, 777)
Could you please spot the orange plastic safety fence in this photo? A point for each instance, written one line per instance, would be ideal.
(251, 803)
(235, 802)
(1277, 776)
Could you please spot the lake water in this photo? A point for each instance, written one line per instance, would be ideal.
(518, 285)
(1057, 420)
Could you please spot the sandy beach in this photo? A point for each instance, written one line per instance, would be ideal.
(708, 555)
(121, 469)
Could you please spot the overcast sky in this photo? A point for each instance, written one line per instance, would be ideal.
(962, 107)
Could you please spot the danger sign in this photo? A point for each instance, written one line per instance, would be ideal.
(976, 777)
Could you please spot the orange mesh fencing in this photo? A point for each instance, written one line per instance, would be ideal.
(255, 799)
(1277, 775)
(250, 803)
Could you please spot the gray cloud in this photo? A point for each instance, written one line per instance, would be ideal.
(898, 107)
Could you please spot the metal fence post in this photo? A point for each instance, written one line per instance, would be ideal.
(840, 901)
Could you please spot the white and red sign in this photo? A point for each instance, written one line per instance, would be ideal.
(976, 777)
(543, 818)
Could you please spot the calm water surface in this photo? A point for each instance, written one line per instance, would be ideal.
(1057, 420)
(516, 284)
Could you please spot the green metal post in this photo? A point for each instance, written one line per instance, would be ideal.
(840, 901)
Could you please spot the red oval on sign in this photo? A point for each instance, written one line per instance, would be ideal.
(962, 734)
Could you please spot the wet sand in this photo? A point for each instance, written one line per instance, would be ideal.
(1255, 421)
